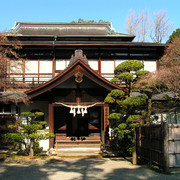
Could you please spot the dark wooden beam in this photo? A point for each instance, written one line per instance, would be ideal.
(51, 125)
(106, 122)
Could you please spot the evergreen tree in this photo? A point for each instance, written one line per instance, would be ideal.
(129, 71)
(129, 110)
(29, 134)
(80, 20)
(174, 35)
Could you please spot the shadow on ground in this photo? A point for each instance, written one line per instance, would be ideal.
(80, 169)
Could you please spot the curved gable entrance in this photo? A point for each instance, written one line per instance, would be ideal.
(77, 113)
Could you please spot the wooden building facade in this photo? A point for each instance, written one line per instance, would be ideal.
(68, 70)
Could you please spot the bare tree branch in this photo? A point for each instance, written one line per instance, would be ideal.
(160, 27)
(137, 24)
(140, 25)
(11, 62)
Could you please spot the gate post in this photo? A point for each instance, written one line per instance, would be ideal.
(166, 146)
(134, 151)
(106, 123)
(51, 126)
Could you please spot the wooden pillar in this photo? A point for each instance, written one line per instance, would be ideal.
(99, 66)
(53, 67)
(161, 117)
(114, 63)
(166, 157)
(23, 71)
(51, 125)
(157, 65)
(78, 100)
(38, 71)
(143, 63)
(106, 123)
(134, 152)
(66, 63)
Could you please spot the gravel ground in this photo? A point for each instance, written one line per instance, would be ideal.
(81, 169)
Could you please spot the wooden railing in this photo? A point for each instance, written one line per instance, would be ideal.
(36, 79)
(32, 80)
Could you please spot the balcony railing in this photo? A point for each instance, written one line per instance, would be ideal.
(34, 80)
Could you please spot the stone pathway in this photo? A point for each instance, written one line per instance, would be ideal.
(81, 169)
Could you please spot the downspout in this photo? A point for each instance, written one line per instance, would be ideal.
(54, 55)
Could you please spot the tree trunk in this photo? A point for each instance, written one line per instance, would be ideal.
(134, 153)
(130, 89)
(148, 115)
(31, 150)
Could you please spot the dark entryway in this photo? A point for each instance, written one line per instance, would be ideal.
(77, 126)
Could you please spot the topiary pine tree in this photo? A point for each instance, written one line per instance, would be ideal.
(128, 110)
(129, 71)
(29, 134)
(123, 122)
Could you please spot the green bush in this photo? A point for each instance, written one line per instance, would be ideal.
(131, 103)
(133, 118)
(29, 133)
(128, 66)
(115, 116)
(126, 76)
(141, 73)
(114, 80)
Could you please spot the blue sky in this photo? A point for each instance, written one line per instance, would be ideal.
(114, 11)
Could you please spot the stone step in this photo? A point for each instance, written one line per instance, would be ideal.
(75, 140)
(80, 151)
(80, 139)
(90, 135)
(77, 145)
(79, 154)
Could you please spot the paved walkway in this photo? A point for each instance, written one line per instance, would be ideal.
(81, 169)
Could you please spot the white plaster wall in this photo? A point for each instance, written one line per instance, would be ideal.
(45, 66)
(150, 65)
(60, 64)
(93, 64)
(107, 66)
(118, 61)
(67, 62)
(16, 67)
(44, 143)
(31, 66)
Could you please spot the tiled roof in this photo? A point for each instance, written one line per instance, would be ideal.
(60, 29)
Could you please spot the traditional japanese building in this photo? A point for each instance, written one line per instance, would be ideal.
(68, 69)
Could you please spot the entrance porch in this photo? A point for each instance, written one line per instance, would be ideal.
(78, 115)
(78, 133)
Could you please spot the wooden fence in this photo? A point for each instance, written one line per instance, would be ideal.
(159, 144)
